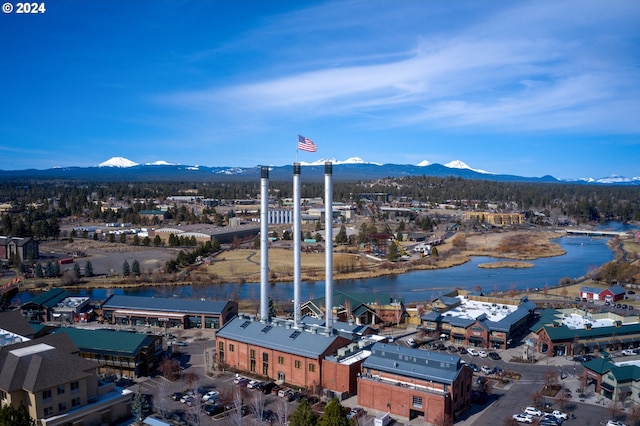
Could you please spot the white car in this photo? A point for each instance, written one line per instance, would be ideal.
(211, 395)
(615, 423)
(533, 411)
(486, 369)
(522, 418)
(252, 384)
(559, 415)
(473, 352)
(482, 354)
(628, 352)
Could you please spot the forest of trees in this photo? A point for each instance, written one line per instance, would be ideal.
(39, 206)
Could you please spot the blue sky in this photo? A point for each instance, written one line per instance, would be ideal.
(527, 88)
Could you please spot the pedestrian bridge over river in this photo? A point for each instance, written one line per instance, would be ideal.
(594, 233)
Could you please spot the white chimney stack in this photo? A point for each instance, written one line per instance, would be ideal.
(264, 243)
(328, 244)
(297, 245)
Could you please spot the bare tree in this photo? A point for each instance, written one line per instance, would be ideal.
(234, 416)
(283, 411)
(257, 403)
(634, 415)
(191, 378)
(161, 401)
(615, 409)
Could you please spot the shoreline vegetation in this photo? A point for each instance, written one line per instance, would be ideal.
(242, 265)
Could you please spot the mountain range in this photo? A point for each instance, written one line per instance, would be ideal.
(123, 169)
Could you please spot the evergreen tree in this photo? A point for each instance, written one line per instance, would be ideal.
(11, 416)
(394, 253)
(136, 240)
(157, 241)
(126, 270)
(48, 271)
(112, 238)
(76, 269)
(88, 269)
(303, 415)
(146, 241)
(272, 309)
(334, 415)
(341, 236)
(139, 406)
(123, 239)
(135, 268)
(39, 271)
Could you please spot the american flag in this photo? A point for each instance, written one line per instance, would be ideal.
(306, 144)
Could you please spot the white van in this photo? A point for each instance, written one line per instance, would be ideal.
(383, 420)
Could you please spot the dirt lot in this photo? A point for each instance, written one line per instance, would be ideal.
(108, 258)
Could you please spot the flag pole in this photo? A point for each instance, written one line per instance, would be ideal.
(297, 151)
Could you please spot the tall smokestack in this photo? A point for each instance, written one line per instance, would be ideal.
(297, 246)
(264, 243)
(328, 244)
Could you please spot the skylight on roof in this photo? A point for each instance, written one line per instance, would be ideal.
(295, 334)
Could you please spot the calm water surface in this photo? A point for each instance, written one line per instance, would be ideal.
(583, 255)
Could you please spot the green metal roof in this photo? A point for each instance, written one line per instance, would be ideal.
(621, 373)
(106, 341)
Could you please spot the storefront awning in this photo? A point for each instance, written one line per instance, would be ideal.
(607, 386)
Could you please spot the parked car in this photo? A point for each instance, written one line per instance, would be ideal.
(615, 423)
(474, 367)
(628, 352)
(482, 354)
(522, 418)
(533, 411)
(253, 384)
(462, 350)
(411, 343)
(559, 415)
(452, 349)
(473, 352)
(243, 382)
(212, 409)
(494, 356)
(210, 395)
(355, 412)
(486, 369)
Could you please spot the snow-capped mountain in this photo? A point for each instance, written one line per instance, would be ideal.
(158, 163)
(355, 168)
(118, 162)
(457, 164)
(613, 179)
(352, 160)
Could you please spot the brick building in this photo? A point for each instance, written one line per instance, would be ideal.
(415, 383)
(278, 351)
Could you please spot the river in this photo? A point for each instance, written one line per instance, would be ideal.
(583, 254)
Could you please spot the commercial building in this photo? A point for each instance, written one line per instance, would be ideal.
(122, 353)
(361, 308)
(614, 381)
(499, 219)
(22, 248)
(278, 350)
(576, 331)
(470, 319)
(415, 383)
(167, 312)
